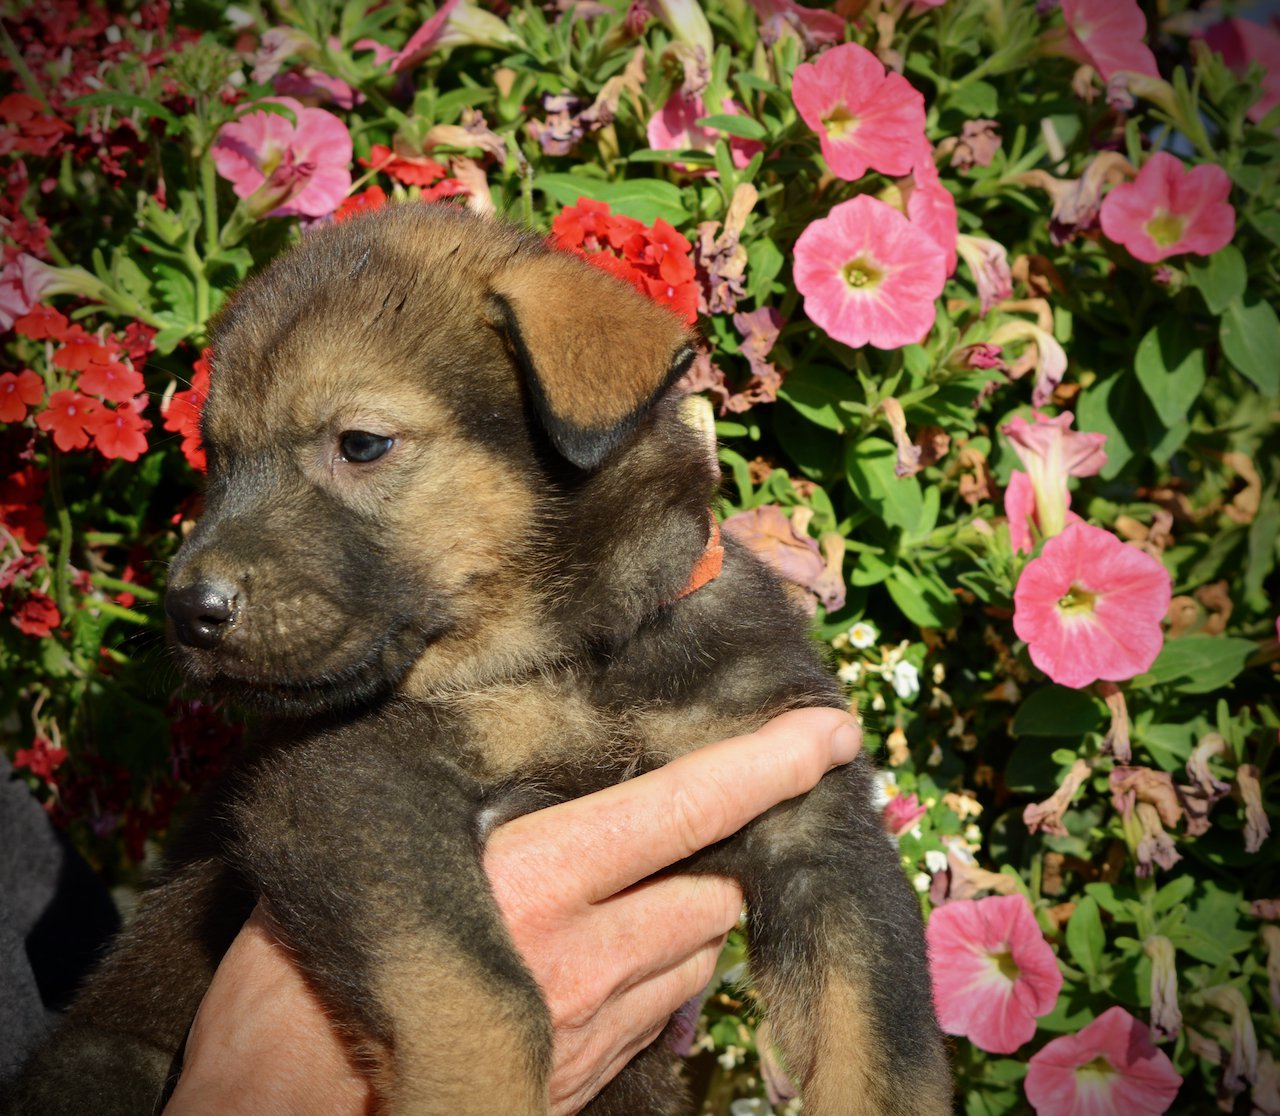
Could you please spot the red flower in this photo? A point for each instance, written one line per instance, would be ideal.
(69, 416)
(656, 261)
(43, 323)
(20, 511)
(375, 197)
(17, 393)
(119, 432)
(182, 415)
(80, 350)
(31, 129)
(112, 380)
(37, 615)
(41, 759)
(411, 170)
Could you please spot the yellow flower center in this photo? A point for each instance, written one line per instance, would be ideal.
(1095, 1072)
(1006, 964)
(861, 274)
(1077, 600)
(841, 123)
(1165, 228)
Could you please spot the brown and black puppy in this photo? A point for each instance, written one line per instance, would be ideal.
(451, 513)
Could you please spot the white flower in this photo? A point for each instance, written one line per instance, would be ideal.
(731, 1056)
(884, 786)
(939, 673)
(935, 860)
(862, 635)
(906, 679)
(922, 881)
(973, 833)
(849, 673)
(877, 703)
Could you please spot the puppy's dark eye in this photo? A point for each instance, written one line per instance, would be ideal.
(361, 446)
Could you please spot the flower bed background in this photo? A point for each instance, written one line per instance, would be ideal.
(987, 293)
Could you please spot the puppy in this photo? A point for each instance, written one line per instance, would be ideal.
(452, 525)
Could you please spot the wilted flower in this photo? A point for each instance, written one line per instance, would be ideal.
(1166, 1017)
(1051, 452)
(977, 144)
(794, 556)
(283, 168)
(1169, 209)
(1109, 1066)
(868, 276)
(989, 265)
(864, 117)
(993, 972)
(1257, 826)
(1090, 607)
(1076, 201)
(814, 26)
(1242, 1059)
(1116, 742)
(908, 462)
(1047, 815)
(1042, 352)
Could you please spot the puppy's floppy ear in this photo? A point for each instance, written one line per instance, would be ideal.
(596, 354)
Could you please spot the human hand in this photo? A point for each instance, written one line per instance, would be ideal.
(262, 1045)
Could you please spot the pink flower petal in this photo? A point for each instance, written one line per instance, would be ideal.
(902, 271)
(864, 117)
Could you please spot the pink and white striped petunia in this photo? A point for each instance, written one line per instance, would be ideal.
(993, 972)
(1170, 208)
(865, 118)
(869, 276)
(1109, 1067)
(1090, 607)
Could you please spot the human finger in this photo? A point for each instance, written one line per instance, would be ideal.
(641, 826)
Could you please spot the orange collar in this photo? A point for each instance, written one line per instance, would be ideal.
(709, 564)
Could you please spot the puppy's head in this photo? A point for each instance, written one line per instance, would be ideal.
(409, 422)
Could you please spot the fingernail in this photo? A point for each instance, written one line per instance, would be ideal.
(845, 742)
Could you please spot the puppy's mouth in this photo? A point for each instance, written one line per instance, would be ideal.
(340, 687)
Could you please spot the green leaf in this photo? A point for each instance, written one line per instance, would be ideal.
(1085, 937)
(1201, 664)
(1059, 711)
(127, 102)
(1220, 278)
(923, 598)
(899, 501)
(177, 290)
(764, 261)
(817, 391)
(1106, 408)
(816, 451)
(645, 199)
(1170, 367)
(1173, 893)
(974, 98)
(742, 126)
(1250, 336)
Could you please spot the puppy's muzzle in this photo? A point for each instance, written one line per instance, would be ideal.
(202, 613)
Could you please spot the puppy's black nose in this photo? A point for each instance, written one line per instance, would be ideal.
(201, 613)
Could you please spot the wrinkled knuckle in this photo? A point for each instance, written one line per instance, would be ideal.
(699, 815)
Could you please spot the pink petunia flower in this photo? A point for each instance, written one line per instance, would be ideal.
(1108, 34)
(993, 972)
(864, 117)
(868, 275)
(1170, 208)
(902, 812)
(931, 207)
(23, 282)
(674, 128)
(1090, 607)
(286, 169)
(791, 554)
(1108, 1068)
(988, 263)
(1241, 42)
(1051, 452)
(455, 23)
